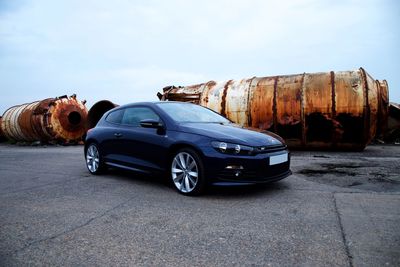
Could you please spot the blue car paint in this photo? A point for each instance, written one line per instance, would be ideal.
(149, 150)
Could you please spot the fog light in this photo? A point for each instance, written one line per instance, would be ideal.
(237, 173)
(234, 167)
(222, 147)
(237, 149)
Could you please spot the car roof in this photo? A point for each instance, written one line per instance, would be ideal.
(151, 103)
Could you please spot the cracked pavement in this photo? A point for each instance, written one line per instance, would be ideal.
(337, 209)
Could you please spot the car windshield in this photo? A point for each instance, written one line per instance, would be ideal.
(186, 112)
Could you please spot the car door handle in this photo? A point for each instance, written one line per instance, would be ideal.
(118, 135)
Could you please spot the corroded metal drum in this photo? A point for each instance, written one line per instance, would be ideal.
(61, 119)
(328, 110)
(97, 111)
(393, 132)
(2, 137)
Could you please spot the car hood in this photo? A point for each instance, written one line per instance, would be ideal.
(231, 133)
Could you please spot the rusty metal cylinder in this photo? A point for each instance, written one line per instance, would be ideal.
(393, 132)
(329, 110)
(2, 137)
(97, 111)
(383, 108)
(61, 119)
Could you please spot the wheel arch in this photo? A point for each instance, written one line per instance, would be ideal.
(90, 141)
(176, 147)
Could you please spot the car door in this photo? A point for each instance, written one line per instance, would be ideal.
(110, 142)
(142, 148)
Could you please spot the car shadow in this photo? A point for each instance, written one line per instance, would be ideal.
(234, 191)
(133, 177)
(246, 190)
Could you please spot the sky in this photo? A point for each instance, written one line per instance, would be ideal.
(127, 51)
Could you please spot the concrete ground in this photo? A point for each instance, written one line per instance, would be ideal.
(337, 209)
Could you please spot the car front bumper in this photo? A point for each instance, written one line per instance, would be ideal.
(230, 169)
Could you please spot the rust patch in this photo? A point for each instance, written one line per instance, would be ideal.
(352, 127)
(223, 100)
(302, 115)
(333, 94)
(2, 137)
(250, 90)
(336, 131)
(204, 93)
(24, 121)
(211, 84)
(321, 127)
(260, 103)
(366, 109)
(274, 107)
(383, 107)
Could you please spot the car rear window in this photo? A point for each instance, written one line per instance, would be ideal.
(115, 116)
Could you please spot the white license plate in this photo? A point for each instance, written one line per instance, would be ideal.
(273, 160)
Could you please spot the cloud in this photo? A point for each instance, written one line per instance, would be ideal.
(124, 48)
(124, 85)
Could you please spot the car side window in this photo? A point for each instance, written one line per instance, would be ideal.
(115, 116)
(133, 116)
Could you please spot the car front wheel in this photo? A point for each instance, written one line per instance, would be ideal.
(93, 159)
(187, 172)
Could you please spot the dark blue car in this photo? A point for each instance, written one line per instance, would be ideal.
(194, 145)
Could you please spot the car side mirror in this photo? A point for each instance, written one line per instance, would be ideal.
(151, 124)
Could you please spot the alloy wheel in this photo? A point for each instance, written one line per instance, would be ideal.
(185, 172)
(92, 158)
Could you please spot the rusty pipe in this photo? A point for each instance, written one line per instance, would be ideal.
(97, 111)
(393, 132)
(328, 110)
(60, 119)
(383, 108)
(2, 137)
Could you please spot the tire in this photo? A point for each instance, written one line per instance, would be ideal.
(94, 162)
(187, 172)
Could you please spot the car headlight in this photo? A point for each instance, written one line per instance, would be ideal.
(235, 149)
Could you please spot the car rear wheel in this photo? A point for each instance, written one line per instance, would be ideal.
(187, 172)
(93, 159)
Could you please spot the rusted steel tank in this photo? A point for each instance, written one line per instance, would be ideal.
(393, 132)
(97, 110)
(329, 110)
(2, 137)
(61, 119)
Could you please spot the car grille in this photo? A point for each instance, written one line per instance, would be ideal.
(261, 174)
(268, 149)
